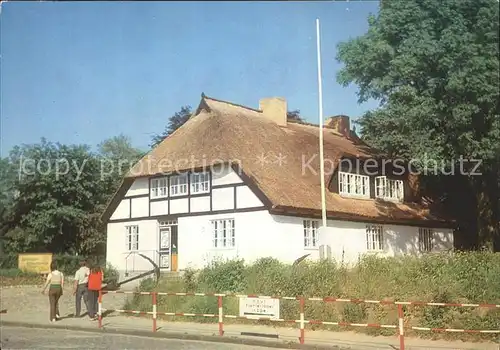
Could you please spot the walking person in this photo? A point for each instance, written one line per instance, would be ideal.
(80, 287)
(94, 286)
(55, 282)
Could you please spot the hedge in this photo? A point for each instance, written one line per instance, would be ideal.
(67, 264)
(472, 277)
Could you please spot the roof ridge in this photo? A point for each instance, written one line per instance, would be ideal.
(352, 137)
(231, 103)
(315, 125)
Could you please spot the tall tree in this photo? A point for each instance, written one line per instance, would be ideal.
(174, 123)
(119, 147)
(117, 155)
(61, 192)
(294, 116)
(434, 68)
(52, 195)
(7, 196)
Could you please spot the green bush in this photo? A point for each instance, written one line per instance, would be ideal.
(111, 275)
(66, 263)
(189, 279)
(8, 261)
(15, 276)
(15, 272)
(223, 276)
(69, 264)
(472, 277)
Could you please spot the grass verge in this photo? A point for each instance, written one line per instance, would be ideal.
(472, 277)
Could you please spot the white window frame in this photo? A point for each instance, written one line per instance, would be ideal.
(132, 237)
(178, 185)
(425, 239)
(200, 182)
(223, 233)
(374, 238)
(159, 187)
(354, 185)
(389, 189)
(311, 228)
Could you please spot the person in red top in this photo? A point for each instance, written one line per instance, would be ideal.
(94, 286)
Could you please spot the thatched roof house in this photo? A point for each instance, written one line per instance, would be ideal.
(279, 158)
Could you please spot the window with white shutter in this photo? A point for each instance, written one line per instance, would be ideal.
(178, 185)
(159, 187)
(354, 185)
(389, 189)
(132, 237)
(223, 234)
(310, 233)
(200, 182)
(374, 238)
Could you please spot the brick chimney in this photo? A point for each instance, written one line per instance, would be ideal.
(275, 109)
(341, 124)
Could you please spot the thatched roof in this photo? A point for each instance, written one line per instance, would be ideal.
(221, 131)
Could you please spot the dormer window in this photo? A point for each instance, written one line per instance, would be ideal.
(354, 185)
(389, 189)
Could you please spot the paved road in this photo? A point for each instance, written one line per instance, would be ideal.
(30, 338)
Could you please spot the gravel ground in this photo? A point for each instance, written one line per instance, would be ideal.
(30, 338)
(26, 300)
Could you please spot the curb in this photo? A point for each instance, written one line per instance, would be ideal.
(179, 336)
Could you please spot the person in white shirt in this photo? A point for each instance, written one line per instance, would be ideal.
(80, 287)
(56, 281)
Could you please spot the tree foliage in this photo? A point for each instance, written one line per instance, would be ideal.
(434, 68)
(294, 116)
(54, 194)
(174, 123)
(7, 195)
(119, 148)
(117, 157)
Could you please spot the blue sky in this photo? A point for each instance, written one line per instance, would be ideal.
(83, 72)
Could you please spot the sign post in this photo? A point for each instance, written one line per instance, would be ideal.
(259, 307)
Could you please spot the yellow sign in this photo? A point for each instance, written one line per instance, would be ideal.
(35, 262)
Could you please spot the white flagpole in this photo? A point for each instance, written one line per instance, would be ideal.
(321, 155)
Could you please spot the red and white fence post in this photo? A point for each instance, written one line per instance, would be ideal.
(221, 315)
(302, 330)
(401, 328)
(154, 310)
(99, 309)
